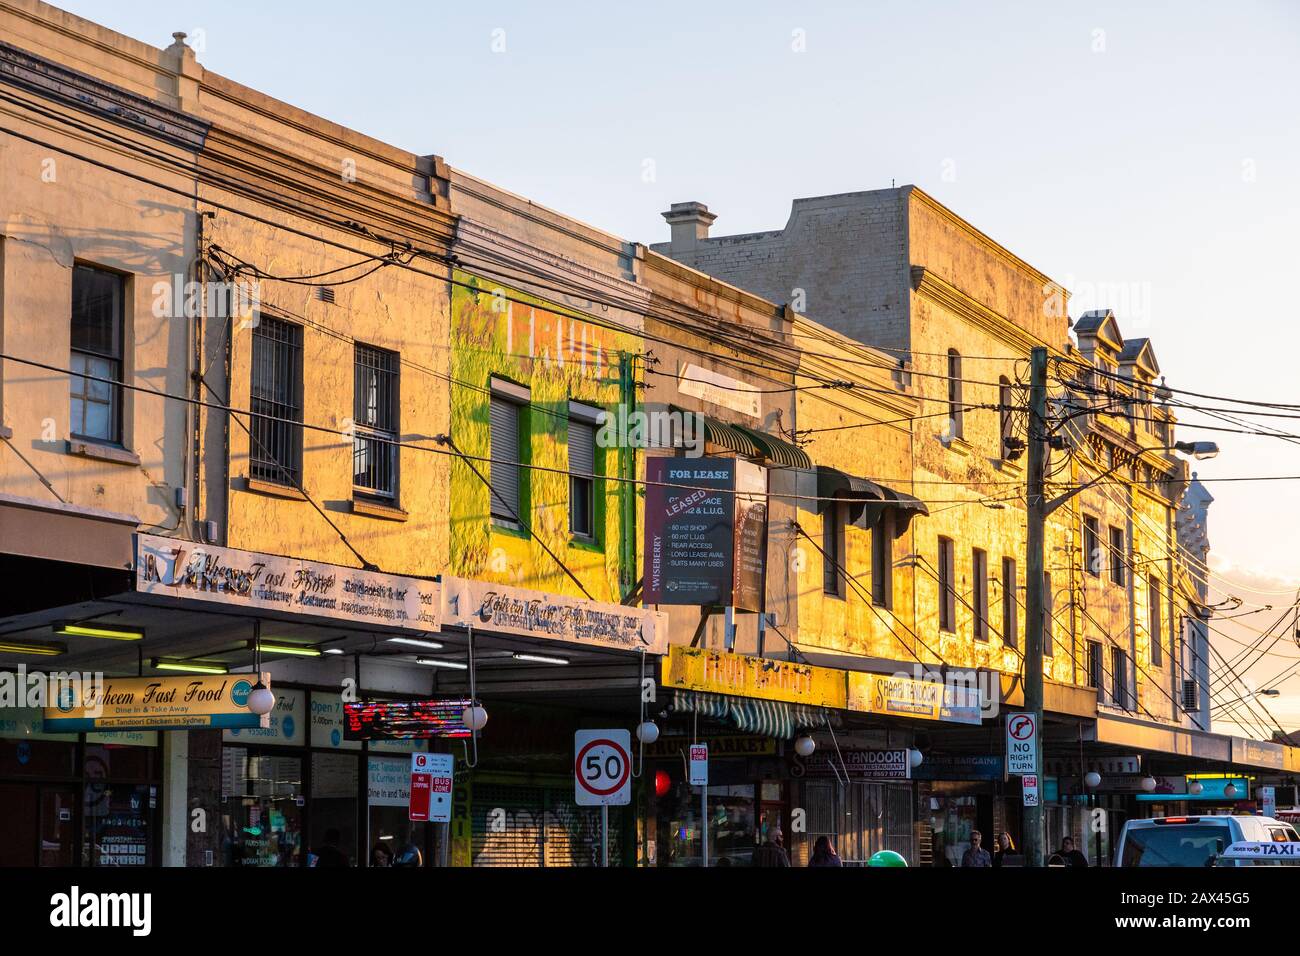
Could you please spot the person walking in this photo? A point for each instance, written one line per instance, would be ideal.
(976, 856)
(824, 853)
(772, 852)
(1005, 848)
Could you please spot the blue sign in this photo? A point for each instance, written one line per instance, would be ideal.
(960, 767)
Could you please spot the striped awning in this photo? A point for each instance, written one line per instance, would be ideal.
(749, 442)
(778, 450)
(770, 718)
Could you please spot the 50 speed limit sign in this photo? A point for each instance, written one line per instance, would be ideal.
(602, 771)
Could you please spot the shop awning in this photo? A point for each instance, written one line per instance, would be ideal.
(769, 718)
(750, 442)
(868, 500)
(728, 436)
(777, 449)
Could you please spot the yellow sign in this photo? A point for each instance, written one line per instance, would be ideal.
(717, 673)
(898, 696)
(157, 703)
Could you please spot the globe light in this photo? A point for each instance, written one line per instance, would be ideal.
(475, 718)
(916, 758)
(805, 746)
(261, 700)
(1230, 791)
(648, 732)
(1092, 780)
(1149, 783)
(1195, 788)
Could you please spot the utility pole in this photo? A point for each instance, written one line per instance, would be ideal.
(1035, 600)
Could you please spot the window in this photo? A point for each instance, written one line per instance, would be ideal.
(1154, 625)
(275, 439)
(97, 329)
(1009, 618)
(374, 414)
(1094, 665)
(1117, 556)
(947, 586)
(582, 468)
(980, 593)
(1006, 422)
(1091, 546)
(833, 520)
(956, 427)
(882, 561)
(1049, 642)
(508, 403)
(1119, 678)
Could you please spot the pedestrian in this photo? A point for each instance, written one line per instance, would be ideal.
(824, 853)
(329, 853)
(381, 855)
(1005, 848)
(772, 852)
(976, 856)
(1071, 856)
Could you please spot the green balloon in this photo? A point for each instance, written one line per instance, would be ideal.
(887, 858)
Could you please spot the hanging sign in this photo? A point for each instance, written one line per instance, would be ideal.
(405, 720)
(157, 703)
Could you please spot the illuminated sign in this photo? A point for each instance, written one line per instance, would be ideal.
(158, 703)
(405, 720)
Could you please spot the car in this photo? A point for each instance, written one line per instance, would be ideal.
(1195, 841)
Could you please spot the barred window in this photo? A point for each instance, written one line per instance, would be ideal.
(275, 452)
(375, 450)
(95, 409)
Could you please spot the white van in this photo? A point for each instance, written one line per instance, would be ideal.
(1195, 841)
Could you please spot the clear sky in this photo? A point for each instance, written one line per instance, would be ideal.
(1145, 155)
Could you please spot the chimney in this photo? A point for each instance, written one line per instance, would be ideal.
(690, 222)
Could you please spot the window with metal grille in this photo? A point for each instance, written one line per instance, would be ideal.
(375, 450)
(1010, 635)
(1049, 640)
(833, 520)
(1117, 556)
(1119, 678)
(582, 471)
(980, 593)
(947, 586)
(956, 426)
(1154, 623)
(507, 418)
(1094, 665)
(275, 443)
(1092, 557)
(95, 409)
(882, 561)
(1191, 699)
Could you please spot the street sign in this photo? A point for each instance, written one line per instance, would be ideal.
(699, 765)
(1029, 787)
(1022, 744)
(602, 772)
(431, 777)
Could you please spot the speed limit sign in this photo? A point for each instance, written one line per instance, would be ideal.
(602, 772)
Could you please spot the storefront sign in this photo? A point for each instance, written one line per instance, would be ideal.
(157, 703)
(750, 579)
(699, 764)
(961, 767)
(1117, 765)
(860, 764)
(406, 720)
(327, 723)
(690, 511)
(761, 678)
(287, 724)
(388, 782)
(168, 567)
(898, 696)
(508, 610)
(1022, 744)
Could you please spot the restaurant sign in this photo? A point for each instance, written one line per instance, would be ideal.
(509, 610)
(169, 567)
(158, 703)
(898, 696)
(714, 672)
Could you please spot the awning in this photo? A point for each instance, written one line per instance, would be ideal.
(728, 436)
(867, 500)
(769, 718)
(778, 450)
(749, 442)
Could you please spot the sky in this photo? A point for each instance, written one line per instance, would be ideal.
(1144, 155)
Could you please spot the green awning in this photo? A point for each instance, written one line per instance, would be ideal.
(778, 450)
(770, 718)
(728, 436)
(750, 443)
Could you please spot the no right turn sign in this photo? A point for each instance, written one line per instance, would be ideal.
(1022, 744)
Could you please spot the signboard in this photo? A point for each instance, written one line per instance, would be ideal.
(860, 764)
(388, 782)
(1112, 766)
(286, 724)
(1029, 789)
(730, 746)
(690, 511)
(507, 610)
(157, 703)
(719, 389)
(699, 763)
(327, 723)
(1248, 850)
(749, 583)
(431, 785)
(602, 769)
(170, 568)
(762, 678)
(405, 720)
(898, 696)
(961, 767)
(1022, 744)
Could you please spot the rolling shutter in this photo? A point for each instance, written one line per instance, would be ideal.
(504, 471)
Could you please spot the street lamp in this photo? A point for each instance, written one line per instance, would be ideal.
(805, 746)
(1266, 692)
(1092, 780)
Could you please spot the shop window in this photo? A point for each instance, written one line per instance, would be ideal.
(375, 450)
(261, 808)
(980, 593)
(275, 436)
(97, 335)
(389, 828)
(332, 837)
(508, 404)
(947, 586)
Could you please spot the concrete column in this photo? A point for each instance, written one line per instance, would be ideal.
(175, 789)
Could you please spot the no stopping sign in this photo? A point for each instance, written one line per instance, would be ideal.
(602, 768)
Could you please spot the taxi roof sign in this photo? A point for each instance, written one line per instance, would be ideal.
(1250, 850)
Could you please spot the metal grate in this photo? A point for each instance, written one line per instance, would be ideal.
(1191, 703)
(375, 416)
(275, 452)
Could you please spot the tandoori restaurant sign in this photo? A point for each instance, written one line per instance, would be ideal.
(158, 703)
(898, 696)
(168, 567)
(508, 610)
(714, 672)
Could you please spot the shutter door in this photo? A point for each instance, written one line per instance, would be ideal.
(505, 448)
(582, 448)
(537, 827)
